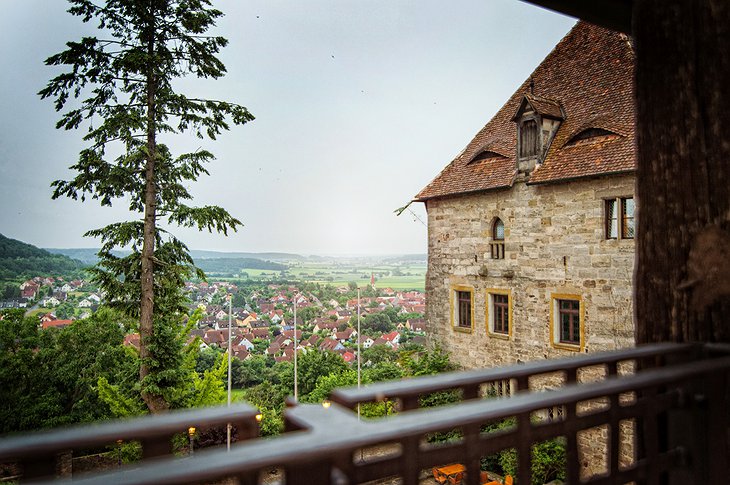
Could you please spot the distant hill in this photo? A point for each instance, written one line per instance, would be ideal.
(236, 265)
(201, 254)
(85, 255)
(21, 260)
(88, 255)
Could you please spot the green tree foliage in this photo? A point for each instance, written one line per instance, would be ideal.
(376, 322)
(126, 80)
(377, 355)
(549, 461)
(49, 377)
(426, 363)
(65, 310)
(177, 379)
(207, 359)
(307, 314)
(385, 371)
(327, 383)
(255, 370)
(311, 366)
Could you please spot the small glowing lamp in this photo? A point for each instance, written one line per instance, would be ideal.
(326, 404)
(259, 417)
(191, 431)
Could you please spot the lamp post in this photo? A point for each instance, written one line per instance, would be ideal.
(191, 434)
(296, 390)
(359, 361)
(230, 350)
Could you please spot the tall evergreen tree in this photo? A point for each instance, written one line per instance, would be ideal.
(125, 81)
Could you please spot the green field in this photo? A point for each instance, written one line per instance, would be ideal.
(398, 277)
(395, 276)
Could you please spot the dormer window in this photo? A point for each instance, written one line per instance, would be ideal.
(591, 135)
(486, 156)
(537, 120)
(528, 139)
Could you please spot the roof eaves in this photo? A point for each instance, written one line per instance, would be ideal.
(558, 180)
(467, 192)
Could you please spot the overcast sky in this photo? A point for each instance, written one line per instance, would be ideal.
(358, 105)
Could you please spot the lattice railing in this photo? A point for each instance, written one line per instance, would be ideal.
(675, 397)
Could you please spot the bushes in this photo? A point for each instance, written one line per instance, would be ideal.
(548, 461)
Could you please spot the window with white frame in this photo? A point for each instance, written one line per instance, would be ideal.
(619, 218)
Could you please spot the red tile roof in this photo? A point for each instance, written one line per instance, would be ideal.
(56, 324)
(588, 80)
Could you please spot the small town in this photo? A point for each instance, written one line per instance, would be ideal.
(382, 242)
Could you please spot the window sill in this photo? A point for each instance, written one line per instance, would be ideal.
(569, 347)
(462, 329)
(501, 336)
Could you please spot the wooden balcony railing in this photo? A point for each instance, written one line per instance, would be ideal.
(37, 452)
(676, 397)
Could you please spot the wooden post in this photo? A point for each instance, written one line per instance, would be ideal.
(682, 280)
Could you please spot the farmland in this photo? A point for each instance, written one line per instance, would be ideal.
(396, 273)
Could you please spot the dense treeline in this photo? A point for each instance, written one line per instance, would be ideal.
(235, 265)
(21, 260)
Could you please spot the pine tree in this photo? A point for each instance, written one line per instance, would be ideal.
(120, 86)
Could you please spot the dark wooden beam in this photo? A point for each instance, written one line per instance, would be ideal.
(613, 14)
(682, 278)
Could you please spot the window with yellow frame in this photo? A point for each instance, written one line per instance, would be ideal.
(462, 308)
(499, 312)
(567, 321)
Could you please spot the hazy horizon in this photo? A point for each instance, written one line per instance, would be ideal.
(359, 105)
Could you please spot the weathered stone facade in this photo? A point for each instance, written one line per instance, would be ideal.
(530, 242)
(554, 245)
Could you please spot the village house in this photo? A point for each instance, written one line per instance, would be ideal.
(531, 226)
(56, 324)
(416, 325)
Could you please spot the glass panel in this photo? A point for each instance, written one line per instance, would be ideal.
(499, 230)
(627, 209)
(569, 321)
(611, 220)
(464, 308)
(564, 327)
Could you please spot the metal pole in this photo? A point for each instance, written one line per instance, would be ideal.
(296, 389)
(359, 360)
(230, 350)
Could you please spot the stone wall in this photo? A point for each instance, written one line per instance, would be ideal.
(554, 245)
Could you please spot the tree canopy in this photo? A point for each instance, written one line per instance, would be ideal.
(128, 100)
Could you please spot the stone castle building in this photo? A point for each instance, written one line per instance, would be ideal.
(531, 226)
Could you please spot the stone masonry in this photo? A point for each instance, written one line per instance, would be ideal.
(554, 244)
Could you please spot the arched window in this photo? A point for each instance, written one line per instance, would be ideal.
(497, 244)
(498, 230)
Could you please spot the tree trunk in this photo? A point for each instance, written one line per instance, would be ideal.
(682, 280)
(155, 403)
